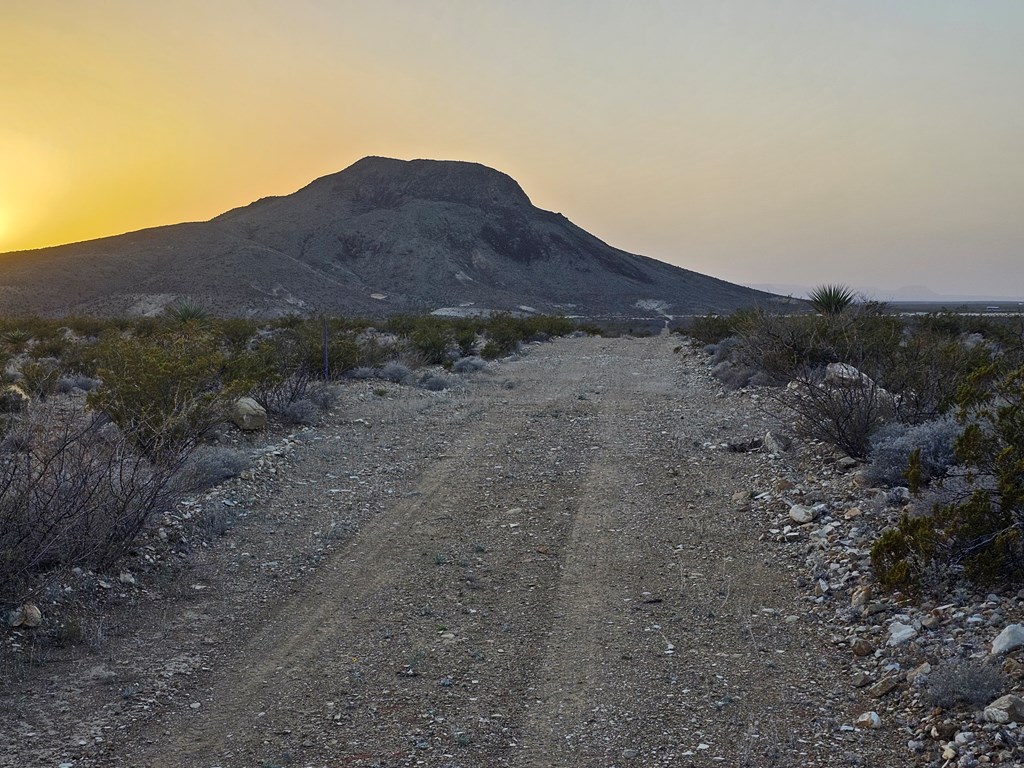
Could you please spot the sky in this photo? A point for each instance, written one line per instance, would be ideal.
(766, 142)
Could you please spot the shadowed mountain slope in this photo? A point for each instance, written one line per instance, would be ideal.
(380, 237)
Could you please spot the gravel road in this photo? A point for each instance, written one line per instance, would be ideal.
(545, 566)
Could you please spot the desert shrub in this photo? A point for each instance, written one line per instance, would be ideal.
(164, 391)
(323, 396)
(464, 334)
(77, 493)
(893, 444)
(237, 332)
(362, 373)
(712, 329)
(51, 346)
(504, 334)
(395, 372)
(469, 364)
(979, 534)
(964, 681)
(492, 351)
(209, 465)
(70, 382)
(275, 371)
(40, 378)
(842, 415)
(927, 370)
(434, 383)
(733, 375)
(302, 411)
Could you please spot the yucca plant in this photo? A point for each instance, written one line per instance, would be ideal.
(187, 310)
(831, 299)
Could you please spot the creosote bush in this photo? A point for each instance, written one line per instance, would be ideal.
(978, 535)
(74, 491)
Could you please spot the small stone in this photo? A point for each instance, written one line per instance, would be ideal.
(798, 513)
(868, 720)
(900, 633)
(860, 679)
(126, 578)
(1005, 709)
(882, 687)
(629, 754)
(921, 671)
(852, 512)
(862, 647)
(1010, 639)
(861, 596)
(195, 705)
(27, 616)
(846, 463)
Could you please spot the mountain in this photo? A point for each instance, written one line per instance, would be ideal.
(382, 236)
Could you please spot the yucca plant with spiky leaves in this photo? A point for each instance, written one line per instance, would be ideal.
(187, 310)
(831, 299)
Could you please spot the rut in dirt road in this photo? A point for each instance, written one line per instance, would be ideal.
(567, 582)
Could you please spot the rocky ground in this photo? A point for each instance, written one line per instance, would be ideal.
(586, 556)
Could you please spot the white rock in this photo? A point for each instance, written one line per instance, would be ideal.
(868, 720)
(900, 633)
(801, 514)
(247, 414)
(1005, 709)
(1011, 638)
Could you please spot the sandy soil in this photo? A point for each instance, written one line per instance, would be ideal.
(544, 567)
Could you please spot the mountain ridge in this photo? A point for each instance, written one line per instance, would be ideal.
(379, 237)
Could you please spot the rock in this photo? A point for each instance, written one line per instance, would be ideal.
(847, 463)
(1005, 709)
(862, 647)
(919, 672)
(845, 375)
(860, 679)
(798, 513)
(852, 512)
(930, 622)
(776, 442)
(249, 415)
(900, 633)
(1010, 639)
(13, 399)
(126, 578)
(882, 687)
(860, 597)
(868, 720)
(26, 616)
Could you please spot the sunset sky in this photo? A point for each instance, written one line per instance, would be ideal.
(874, 142)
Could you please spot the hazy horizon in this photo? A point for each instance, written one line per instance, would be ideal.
(796, 142)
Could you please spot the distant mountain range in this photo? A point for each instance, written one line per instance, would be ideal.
(909, 294)
(381, 237)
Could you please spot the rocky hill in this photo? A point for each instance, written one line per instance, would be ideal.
(382, 236)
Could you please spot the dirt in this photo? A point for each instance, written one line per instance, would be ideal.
(546, 566)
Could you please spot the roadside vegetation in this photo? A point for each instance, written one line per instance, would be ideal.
(932, 404)
(104, 423)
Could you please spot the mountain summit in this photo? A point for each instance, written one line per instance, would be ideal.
(382, 236)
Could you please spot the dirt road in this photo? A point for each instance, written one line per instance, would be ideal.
(546, 569)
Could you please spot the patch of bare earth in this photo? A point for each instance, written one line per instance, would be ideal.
(544, 568)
